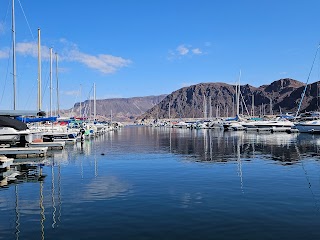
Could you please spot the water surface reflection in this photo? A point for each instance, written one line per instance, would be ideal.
(163, 183)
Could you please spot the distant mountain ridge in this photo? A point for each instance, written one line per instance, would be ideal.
(217, 99)
(122, 109)
(210, 99)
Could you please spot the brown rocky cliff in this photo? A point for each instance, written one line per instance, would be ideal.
(219, 99)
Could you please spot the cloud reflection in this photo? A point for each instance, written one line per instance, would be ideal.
(104, 187)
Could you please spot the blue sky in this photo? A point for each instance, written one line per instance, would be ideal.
(144, 47)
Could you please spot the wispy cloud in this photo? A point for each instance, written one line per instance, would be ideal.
(31, 49)
(71, 93)
(104, 63)
(184, 50)
(4, 53)
(196, 51)
(283, 73)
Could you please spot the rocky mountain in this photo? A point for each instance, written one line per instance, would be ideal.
(122, 109)
(218, 99)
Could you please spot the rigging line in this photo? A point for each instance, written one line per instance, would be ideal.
(244, 103)
(45, 70)
(316, 202)
(5, 80)
(26, 19)
(7, 13)
(45, 88)
(32, 90)
(305, 88)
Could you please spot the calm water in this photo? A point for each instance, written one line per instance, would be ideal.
(158, 183)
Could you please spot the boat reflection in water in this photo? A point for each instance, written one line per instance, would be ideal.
(170, 183)
(218, 146)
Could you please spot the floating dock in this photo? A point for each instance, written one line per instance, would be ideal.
(66, 141)
(50, 145)
(24, 152)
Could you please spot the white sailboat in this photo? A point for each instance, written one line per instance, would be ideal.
(13, 132)
(308, 126)
(235, 123)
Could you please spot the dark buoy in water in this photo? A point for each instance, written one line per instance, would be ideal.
(102, 153)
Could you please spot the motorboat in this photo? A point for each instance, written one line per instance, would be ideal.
(13, 132)
(312, 126)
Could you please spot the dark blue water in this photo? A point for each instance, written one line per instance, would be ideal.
(159, 183)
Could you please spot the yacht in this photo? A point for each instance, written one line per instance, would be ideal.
(312, 126)
(277, 125)
(13, 132)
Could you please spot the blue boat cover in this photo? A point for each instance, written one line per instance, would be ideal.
(42, 119)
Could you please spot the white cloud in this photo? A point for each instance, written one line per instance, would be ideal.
(4, 53)
(71, 93)
(184, 50)
(196, 51)
(104, 63)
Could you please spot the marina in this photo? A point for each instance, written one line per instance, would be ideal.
(159, 120)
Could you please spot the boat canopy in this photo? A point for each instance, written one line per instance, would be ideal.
(31, 120)
(13, 123)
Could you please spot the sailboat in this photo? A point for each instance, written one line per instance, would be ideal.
(234, 123)
(306, 125)
(94, 128)
(14, 132)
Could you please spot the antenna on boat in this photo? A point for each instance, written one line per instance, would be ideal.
(305, 88)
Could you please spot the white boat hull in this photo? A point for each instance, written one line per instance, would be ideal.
(308, 127)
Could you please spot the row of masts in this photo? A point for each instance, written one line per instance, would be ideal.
(39, 94)
(238, 107)
(94, 103)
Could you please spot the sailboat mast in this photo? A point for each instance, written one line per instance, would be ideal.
(80, 110)
(210, 108)
(39, 72)
(57, 78)
(14, 58)
(50, 81)
(252, 105)
(94, 102)
(305, 88)
(204, 107)
(238, 93)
